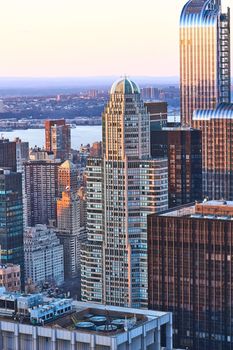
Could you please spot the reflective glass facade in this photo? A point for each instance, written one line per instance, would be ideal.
(217, 160)
(190, 263)
(204, 57)
(11, 218)
(182, 146)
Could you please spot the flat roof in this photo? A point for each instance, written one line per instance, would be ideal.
(212, 209)
(87, 314)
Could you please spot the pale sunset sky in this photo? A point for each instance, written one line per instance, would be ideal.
(71, 38)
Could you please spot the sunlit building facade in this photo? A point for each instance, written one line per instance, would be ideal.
(131, 185)
(67, 177)
(68, 231)
(204, 57)
(217, 159)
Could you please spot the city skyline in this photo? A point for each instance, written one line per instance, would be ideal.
(56, 39)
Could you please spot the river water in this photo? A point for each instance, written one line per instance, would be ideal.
(81, 135)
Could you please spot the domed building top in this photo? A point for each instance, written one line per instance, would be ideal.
(125, 86)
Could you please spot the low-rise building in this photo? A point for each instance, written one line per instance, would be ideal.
(43, 256)
(30, 322)
(10, 277)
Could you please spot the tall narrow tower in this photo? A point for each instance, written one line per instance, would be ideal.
(204, 57)
(133, 185)
(57, 138)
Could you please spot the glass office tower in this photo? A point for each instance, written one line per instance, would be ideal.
(11, 218)
(122, 189)
(204, 57)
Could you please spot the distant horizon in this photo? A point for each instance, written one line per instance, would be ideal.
(84, 39)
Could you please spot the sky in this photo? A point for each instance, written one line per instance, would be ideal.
(74, 38)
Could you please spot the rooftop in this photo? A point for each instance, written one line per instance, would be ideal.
(213, 209)
(67, 165)
(36, 309)
(125, 86)
(222, 111)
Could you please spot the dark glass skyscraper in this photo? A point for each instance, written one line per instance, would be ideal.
(204, 57)
(190, 264)
(182, 147)
(11, 218)
(8, 154)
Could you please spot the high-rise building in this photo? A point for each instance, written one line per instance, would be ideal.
(122, 189)
(67, 177)
(150, 93)
(217, 160)
(182, 147)
(68, 231)
(41, 183)
(57, 138)
(204, 57)
(83, 207)
(8, 154)
(11, 218)
(43, 254)
(190, 272)
(158, 114)
(22, 154)
(92, 251)
(96, 149)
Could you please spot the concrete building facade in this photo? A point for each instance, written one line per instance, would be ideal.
(43, 256)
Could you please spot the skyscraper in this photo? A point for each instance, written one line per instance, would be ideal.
(158, 114)
(204, 57)
(43, 256)
(217, 160)
(57, 138)
(129, 185)
(67, 177)
(11, 218)
(190, 272)
(41, 183)
(182, 146)
(68, 231)
(8, 154)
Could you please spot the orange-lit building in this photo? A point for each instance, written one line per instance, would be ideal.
(68, 231)
(96, 149)
(67, 177)
(10, 277)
